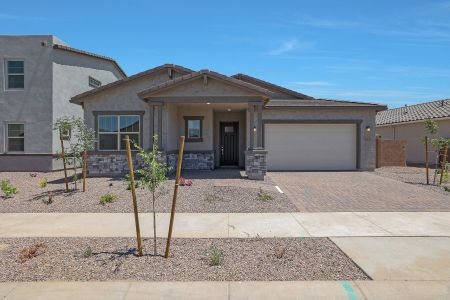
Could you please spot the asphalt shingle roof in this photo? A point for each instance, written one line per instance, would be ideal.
(417, 112)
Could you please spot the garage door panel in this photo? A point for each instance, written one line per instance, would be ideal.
(311, 146)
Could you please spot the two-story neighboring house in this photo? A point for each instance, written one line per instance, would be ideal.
(39, 74)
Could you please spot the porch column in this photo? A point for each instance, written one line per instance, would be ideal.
(255, 110)
(156, 122)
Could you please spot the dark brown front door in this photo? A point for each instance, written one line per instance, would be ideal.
(229, 143)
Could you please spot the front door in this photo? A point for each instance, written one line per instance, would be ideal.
(229, 143)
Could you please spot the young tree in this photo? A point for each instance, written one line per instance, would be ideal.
(152, 174)
(431, 127)
(85, 137)
(64, 127)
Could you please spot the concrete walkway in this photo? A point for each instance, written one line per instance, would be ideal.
(223, 225)
(229, 290)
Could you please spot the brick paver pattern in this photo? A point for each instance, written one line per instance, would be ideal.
(355, 191)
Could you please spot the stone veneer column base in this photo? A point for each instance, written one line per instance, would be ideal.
(256, 164)
(193, 160)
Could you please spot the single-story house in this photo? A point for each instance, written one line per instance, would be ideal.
(407, 123)
(234, 120)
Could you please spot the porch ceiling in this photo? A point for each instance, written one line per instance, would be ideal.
(216, 106)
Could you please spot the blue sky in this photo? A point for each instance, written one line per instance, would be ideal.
(392, 52)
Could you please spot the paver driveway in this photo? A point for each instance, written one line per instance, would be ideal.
(355, 191)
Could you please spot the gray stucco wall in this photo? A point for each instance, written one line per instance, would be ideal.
(366, 116)
(52, 77)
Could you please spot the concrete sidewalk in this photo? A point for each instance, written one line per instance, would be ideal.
(345, 290)
(223, 225)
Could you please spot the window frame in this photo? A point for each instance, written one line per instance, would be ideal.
(8, 137)
(7, 74)
(92, 79)
(186, 128)
(118, 115)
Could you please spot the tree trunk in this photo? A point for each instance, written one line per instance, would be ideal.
(84, 170)
(154, 224)
(426, 160)
(66, 181)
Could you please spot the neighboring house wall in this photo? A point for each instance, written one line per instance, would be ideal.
(413, 133)
(366, 116)
(52, 77)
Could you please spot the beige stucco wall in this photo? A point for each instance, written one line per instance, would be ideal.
(413, 133)
(366, 116)
(230, 117)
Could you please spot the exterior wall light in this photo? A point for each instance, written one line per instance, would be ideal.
(254, 128)
(208, 103)
(368, 129)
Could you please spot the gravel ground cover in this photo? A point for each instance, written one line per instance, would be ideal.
(415, 176)
(114, 259)
(211, 192)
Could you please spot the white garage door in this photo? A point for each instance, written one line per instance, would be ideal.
(310, 146)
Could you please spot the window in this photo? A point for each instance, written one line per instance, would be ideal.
(94, 82)
(16, 137)
(193, 129)
(113, 129)
(15, 74)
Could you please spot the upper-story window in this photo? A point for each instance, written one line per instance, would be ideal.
(94, 82)
(112, 130)
(15, 74)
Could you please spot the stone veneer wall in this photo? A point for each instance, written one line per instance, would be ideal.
(117, 164)
(193, 160)
(256, 164)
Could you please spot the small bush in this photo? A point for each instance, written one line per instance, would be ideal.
(446, 188)
(445, 177)
(280, 251)
(136, 185)
(108, 198)
(31, 252)
(43, 182)
(215, 257)
(49, 199)
(7, 188)
(87, 252)
(264, 196)
(210, 197)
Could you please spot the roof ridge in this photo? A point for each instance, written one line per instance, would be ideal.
(419, 104)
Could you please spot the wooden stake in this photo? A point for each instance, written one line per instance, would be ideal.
(84, 169)
(443, 162)
(174, 201)
(426, 160)
(64, 162)
(133, 193)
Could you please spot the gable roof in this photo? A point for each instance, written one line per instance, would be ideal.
(82, 52)
(77, 99)
(270, 86)
(417, 112)
(171, 83)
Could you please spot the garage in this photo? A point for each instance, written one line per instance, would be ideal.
(311, 146)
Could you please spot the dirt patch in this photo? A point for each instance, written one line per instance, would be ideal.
(415, 176)
(209, 193)
(191, 260)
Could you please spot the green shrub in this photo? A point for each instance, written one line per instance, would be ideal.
(87, 252)
(7, 188)
(446, 188)
(264, 196)
(43, 182)
(108, 198)
(49, 199)
(215, 257)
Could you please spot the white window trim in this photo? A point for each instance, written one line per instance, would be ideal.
(6, 79)
(118, 133)
(7, 137)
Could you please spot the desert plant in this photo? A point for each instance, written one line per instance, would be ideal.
(28, 253)
(108, 198)
(87, 252)
(215, 256)
(85, 139)
(264, 196)
(127, 178)
(210, 197)
(43, 182)
(446, 188)
(152, 175)
(49, 199)
(7, 188)
(64, 126)
(280, 250)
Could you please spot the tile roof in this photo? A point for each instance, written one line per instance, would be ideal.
(82, 52)
(147, 92)
(417, 112)
(270, 85)
(77, 98)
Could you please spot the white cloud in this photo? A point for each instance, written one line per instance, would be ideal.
(289, 46)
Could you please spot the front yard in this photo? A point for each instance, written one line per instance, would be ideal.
(211, 192)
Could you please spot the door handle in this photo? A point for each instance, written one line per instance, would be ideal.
(221, 150)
